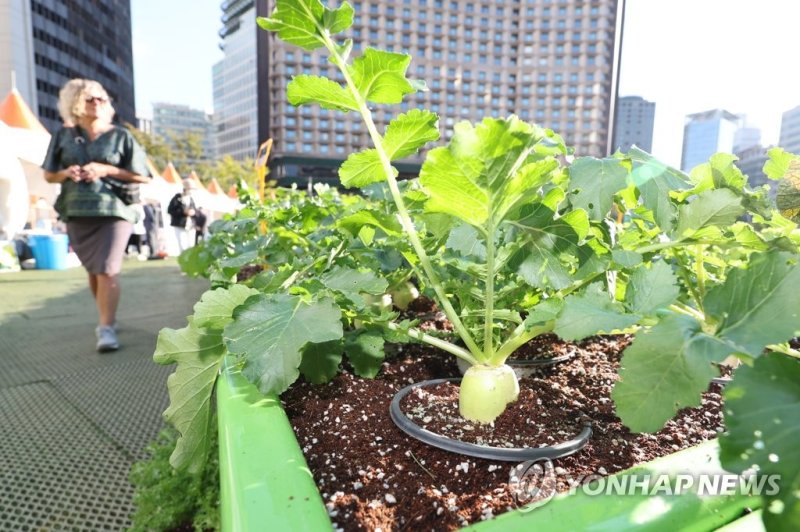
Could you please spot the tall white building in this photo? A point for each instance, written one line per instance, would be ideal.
(745, 138)
(634, 123)
(236, 109)
(707, 133)
(16, 50)
(790, 131)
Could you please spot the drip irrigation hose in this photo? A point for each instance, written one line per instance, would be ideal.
(536, 362)
(518, 454)
(526, 367)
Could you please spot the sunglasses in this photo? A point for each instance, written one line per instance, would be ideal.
(96, 99)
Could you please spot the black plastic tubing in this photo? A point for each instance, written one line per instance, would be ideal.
(536, 362)
(518, 454)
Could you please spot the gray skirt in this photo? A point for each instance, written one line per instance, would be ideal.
(99, 242)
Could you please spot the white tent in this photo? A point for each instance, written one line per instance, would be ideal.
(24, 141)
(14, 202)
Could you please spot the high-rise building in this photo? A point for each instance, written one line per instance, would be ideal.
(16, 50)
(237, 113)
(790, 131)
(634, 123)
(48, 42)
(173, 121)
(707, 133)
(746, 138)
(552, 63)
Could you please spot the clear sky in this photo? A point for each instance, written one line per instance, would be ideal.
(686, 55)
(175, 43)
(689, 56)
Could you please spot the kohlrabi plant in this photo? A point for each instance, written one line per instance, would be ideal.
(514, 239)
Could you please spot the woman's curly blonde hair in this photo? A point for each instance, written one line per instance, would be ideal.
(72, 100)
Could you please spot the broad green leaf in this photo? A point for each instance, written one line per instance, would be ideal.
(547, 310)
(301, 22)
(409, 132)
(757, 306)
(778, 162)
(651, 288)
(525, 185)
(713, 207)
(198, 354)
(364, 349)
(363, 168)
(551, 245)
(352, 283)
(243, 257)
(465, 240)
(478, 176)
(665, 369)
(270, 331)
(321, 361)
(655, 181)
(452, 190)
(385, 222)
(215, 308)
(327, 93)
(367, 235)
(748, 237)
(590, 313)
(719, 172)
(271, 281)
(380, 76)
(762, 415)
(593, 183)
(195, 261)
(626, 259)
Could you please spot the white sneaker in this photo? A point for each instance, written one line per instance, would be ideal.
(106, 339)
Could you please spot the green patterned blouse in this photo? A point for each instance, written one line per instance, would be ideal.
(116, 147)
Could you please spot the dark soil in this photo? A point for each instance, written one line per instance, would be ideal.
(249, 271)
(544, 347)
(372, 476)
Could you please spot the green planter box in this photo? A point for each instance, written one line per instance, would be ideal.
(265, 479)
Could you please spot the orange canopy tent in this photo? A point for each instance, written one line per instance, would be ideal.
(24, 142)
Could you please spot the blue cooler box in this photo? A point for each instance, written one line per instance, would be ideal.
(50, 251)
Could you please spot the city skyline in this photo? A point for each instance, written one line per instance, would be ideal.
(711, 66)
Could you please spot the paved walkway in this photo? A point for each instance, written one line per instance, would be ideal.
(73, 421)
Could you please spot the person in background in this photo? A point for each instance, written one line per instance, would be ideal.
(200, 219)
(152, 224)
(181, 211)
(138, 235)
(88, 149)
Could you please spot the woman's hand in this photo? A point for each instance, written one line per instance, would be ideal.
(94, 171)
(72, 173)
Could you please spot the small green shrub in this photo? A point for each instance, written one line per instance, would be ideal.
(167, 499)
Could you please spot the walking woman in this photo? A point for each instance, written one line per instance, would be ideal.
(86, 156)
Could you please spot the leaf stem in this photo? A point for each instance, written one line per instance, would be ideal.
(402, 211)
(671, 244)
(519, 337)
(444, 345)
(683, 270)
(488, 322)
(688, 311)
(784, 349)
(700, 270)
